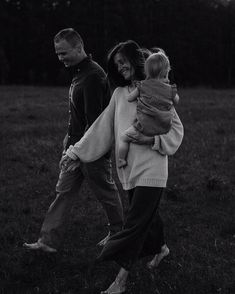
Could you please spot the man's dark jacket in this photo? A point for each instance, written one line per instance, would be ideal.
(89, 95)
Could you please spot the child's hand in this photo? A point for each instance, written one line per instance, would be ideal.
(130, 98)
(137, 83)
(141, 139)
(133, 95)
(166, 81)
(176, 99)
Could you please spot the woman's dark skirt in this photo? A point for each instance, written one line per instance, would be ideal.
(142, 234)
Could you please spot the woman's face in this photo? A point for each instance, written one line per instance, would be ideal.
(124, 67)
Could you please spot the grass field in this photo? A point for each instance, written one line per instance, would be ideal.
(198, 208)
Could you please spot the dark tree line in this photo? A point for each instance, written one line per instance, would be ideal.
(198, 36)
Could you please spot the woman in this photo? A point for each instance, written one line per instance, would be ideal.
(144, 177)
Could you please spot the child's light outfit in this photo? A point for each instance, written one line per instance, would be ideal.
(154, 113)
(154, 107)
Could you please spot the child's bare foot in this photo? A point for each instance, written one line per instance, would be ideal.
(158, 257)
(115, 288)
(121, 163)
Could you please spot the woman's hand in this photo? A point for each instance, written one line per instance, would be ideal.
(68, 164)
(141, 139)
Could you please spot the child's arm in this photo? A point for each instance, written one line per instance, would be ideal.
(133, 95)
(175, 96)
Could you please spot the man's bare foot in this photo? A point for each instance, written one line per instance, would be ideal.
(121, 163)
(115, 288)
(39, 246)
(104, 241)
(158, 257)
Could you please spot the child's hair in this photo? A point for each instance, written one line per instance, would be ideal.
(157, 65)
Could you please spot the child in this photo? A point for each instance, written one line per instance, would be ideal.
(155, 100)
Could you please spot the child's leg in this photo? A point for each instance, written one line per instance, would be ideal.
(123, 150)
(124, 147)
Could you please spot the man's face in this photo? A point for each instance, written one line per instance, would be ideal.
(67, 54)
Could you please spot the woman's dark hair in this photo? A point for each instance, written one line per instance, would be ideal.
(132, 51)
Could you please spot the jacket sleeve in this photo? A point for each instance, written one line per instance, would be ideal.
(98, 139)
(168, 144)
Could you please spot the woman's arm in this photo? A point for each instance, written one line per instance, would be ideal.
(98, 139)
(166, 144)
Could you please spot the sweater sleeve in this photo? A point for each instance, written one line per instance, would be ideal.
(98, 139)
(167, 144)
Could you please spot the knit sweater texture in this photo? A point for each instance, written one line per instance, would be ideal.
(147, 165)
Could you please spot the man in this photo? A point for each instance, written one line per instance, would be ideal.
(88, 96)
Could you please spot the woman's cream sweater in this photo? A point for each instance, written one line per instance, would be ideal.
(147, 165)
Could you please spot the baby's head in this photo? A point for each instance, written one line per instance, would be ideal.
(157, 66)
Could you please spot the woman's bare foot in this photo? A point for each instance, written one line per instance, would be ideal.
(104, 241)
(115, 288)
(39, 245)
(119, 285)
(158, 257)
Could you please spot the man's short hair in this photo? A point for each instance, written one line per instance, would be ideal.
(69, 35)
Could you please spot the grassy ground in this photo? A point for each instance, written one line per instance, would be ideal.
(198, 208)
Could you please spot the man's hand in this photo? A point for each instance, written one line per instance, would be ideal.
(141, 139)
(68, 164)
